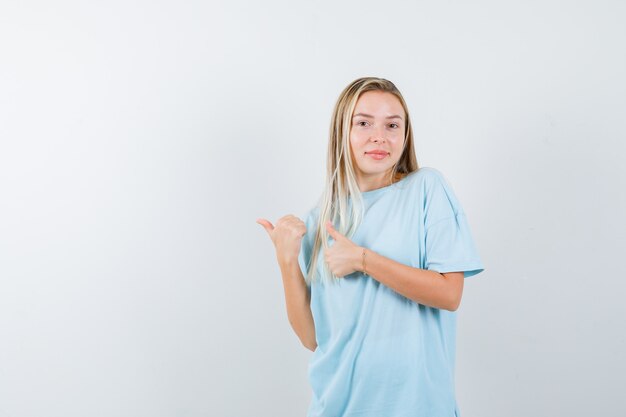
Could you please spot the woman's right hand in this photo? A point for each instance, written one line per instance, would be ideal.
(286, 236)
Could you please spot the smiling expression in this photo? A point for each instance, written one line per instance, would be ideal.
(376, 136)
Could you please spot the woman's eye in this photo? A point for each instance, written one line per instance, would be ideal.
(393, 125)
(362, 123)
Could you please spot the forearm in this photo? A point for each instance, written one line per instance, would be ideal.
(420, 285)
(297, 299)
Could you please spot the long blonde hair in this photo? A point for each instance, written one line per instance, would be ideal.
(341, 181)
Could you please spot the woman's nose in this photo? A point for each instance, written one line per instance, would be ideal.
(378, 134)
(376, 137)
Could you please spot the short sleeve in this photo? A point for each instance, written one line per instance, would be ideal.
(306, 247)
(303, 260)
(449, 243)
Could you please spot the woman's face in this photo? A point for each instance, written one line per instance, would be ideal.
(377, 134)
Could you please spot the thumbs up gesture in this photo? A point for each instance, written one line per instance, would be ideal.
(286, 236)
(344, 256)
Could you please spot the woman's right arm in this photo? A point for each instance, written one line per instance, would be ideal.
(287, 238)
(298, 301)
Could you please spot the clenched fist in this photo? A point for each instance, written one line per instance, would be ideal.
(286, 236)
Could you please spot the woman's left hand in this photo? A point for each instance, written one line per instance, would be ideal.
(344, 256)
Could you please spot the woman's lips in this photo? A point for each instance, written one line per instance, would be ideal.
(377, 155)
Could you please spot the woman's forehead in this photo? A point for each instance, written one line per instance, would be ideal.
(378, 104)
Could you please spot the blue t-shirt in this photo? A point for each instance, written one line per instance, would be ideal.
(380, 354)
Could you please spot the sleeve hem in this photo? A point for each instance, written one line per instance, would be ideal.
(468, 269)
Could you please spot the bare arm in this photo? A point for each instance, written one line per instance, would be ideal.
(420, 285)
(423, 286)
(287, 237)
(298, 302)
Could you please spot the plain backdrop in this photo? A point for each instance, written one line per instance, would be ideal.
(140, 141)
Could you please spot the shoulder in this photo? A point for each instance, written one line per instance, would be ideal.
(311, 217)
(435, 194)
(313, 212)
(428, 173)
(427, 178)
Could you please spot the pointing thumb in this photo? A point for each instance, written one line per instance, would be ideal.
(269, 227)
(332, 232)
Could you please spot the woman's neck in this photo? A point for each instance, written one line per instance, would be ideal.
(380, 182)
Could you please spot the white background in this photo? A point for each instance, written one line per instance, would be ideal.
(140, 140)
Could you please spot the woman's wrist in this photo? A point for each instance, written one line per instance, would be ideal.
(287, 260)
(361, 259)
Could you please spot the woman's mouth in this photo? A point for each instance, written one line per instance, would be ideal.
(378, 155)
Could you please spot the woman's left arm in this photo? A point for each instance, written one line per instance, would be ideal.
(420, 285)
(423, 286)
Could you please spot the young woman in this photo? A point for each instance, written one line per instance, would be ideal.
(374, 274)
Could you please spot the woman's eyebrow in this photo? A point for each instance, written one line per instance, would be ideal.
(395, 116)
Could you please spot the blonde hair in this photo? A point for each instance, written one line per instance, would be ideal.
(341, 181)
